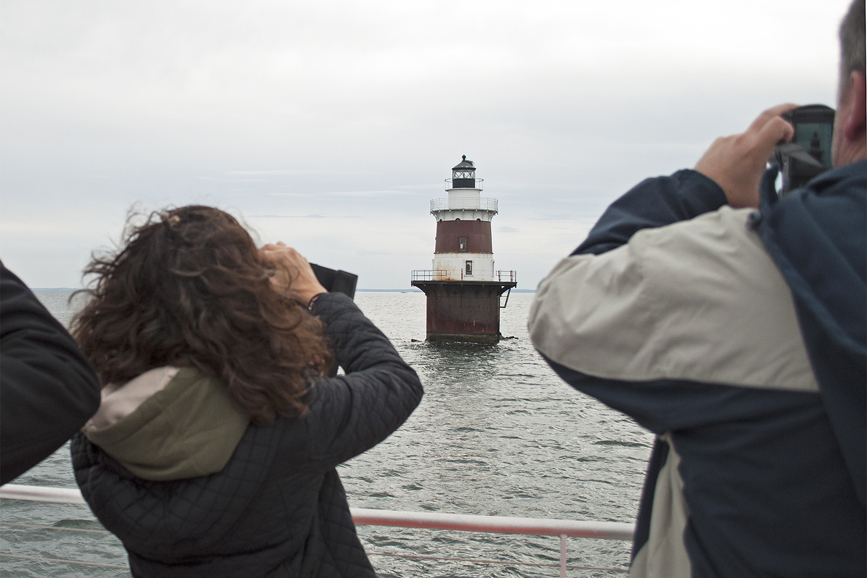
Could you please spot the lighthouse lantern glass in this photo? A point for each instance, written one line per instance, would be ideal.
(464, 179)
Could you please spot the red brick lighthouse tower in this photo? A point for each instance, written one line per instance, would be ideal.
(463, 289)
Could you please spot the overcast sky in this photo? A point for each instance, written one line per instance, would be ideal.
(330, 125)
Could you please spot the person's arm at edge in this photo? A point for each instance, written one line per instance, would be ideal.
(652, 203)
(348, 414)
(728, 173)
(48, 388)
(376, 395)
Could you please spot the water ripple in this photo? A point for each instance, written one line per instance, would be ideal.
(497, 433)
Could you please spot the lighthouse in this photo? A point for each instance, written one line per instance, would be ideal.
(463, 288)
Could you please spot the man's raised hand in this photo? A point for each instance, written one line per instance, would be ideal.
(736, 163)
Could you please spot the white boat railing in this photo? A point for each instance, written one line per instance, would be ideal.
(403, 519)
(41, 494)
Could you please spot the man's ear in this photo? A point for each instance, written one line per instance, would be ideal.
(854, 123)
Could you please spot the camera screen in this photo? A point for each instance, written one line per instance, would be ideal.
(815, 138)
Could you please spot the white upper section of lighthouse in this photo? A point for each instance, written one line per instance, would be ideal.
(464, 248)
(464, 201)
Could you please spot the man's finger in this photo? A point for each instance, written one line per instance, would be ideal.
(775, 130)
(769, 114)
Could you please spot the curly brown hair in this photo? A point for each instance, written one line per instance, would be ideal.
(189, 288)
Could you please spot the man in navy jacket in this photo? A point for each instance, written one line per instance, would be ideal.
(731, 324)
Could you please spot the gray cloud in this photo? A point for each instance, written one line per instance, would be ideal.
(345, 109)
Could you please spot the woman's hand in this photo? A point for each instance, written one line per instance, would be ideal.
(293, 277)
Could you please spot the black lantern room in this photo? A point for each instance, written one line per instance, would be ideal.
(464, 174)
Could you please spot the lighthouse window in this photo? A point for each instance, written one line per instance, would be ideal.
(469, 268)
(462, 244)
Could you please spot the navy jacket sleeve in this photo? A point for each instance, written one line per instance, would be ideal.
(653, 203)
(817, 237)
(352, 413)
(48, 388)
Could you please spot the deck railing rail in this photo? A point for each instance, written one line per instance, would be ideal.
(480, 184)
(464, 204)
(429, 275)
(443, 275)
(507, 276)
(403, 519)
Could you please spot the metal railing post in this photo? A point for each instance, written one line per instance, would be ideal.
(562, 555)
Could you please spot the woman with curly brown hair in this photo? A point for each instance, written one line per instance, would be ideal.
(215, 445)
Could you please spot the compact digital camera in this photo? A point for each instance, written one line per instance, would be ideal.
(809, 152)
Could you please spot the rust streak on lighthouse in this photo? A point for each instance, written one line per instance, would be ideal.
(463, 289)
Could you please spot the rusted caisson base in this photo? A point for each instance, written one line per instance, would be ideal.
(463, 310)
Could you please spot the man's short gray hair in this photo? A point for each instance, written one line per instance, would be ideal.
(852, 41)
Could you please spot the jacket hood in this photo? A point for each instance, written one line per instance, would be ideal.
(168, 424)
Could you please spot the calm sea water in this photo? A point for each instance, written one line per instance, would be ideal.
(497, 433)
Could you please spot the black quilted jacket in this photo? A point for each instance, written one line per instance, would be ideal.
(278, 508)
